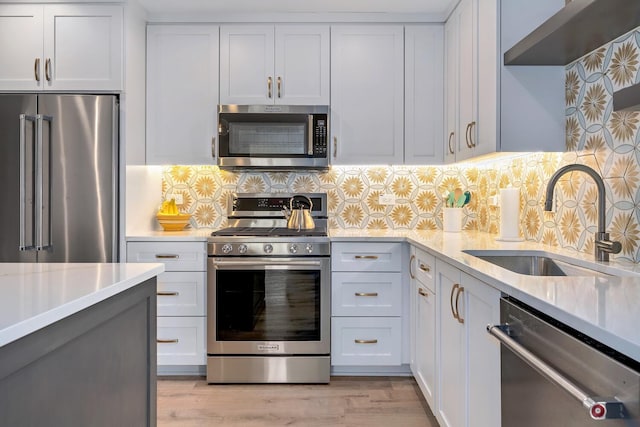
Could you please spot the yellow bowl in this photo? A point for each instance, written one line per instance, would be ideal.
(173, 222)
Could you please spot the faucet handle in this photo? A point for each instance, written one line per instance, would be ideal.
(604, 247)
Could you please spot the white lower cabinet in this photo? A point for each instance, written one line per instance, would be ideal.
(181, 340)
(468, 379)
(423, 322)
(366, 341)
(181, 302)
(367, 306)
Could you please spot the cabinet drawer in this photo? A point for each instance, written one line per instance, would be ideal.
(366, 294)
(423, 268)
(366, 341)
(181, 293)
(366, 256)
(176, 256)
(181, 341)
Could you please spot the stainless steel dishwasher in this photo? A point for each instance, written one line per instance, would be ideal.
(554, 376)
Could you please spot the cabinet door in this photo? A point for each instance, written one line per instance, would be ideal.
(452, 136)
(467, 97)
(483, 353)
(182, 93)
(83, 47)
(425, 346)
(247, 64)
(21, 59)
(367, 78)
(451, 400)
(301, 65)
(423, 94)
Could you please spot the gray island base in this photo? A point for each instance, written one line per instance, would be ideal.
(96, 367)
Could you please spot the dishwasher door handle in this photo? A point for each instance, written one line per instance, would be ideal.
(599, 408)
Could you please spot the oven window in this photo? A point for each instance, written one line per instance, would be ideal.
(268, 305)
(266, 139)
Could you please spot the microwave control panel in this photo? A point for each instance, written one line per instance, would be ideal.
(320, 135)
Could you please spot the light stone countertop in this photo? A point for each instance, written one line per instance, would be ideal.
(606, 308)
(37, 295)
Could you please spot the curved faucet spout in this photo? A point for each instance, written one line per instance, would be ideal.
(603, 246)
(548, 203)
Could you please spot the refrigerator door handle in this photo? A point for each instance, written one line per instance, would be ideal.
(24, 211)
(43, 185)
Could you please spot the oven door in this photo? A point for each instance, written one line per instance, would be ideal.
(268, 306)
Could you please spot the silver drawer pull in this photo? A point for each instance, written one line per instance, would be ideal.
(425, 268)
(366, 341)
(167, 256)
(598, 407)
(366, 256)
(423, 292)
(173, 341)
(366, 294)
(167, 294)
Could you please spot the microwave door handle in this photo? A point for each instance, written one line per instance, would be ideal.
(310, 149)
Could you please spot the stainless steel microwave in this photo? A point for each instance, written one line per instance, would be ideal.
(273, 136)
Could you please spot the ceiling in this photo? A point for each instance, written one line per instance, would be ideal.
(181, 7)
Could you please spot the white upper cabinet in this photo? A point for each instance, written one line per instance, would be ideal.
(367, 94)
(21, 61)
(423, 94)
(266, 64)
(182, 93)
(61, 47)
(490, 107)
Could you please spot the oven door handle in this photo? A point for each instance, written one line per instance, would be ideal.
(599, 408)
(266, 265)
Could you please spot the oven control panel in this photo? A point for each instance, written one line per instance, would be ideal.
(265, 248)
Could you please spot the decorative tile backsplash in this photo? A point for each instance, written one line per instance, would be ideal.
(596, 136)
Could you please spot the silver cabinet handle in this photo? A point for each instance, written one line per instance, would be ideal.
(599, 408)
(167, 256)
(449, 143)
(167, 293)
(460, 290)
(366, 341)
(47, 69)
(335, 147)
(366, 294)
(279, 87)
(471, 126)
(366, 257)
(213, 147)
(23, 185)
(36, 69)
(269, 84)
(413, 258)
(423, 292)
(467, 135)
(425, 268)
(169, 341)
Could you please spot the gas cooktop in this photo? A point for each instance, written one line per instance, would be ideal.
(269, 232)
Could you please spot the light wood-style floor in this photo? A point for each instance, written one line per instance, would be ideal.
(344, 402)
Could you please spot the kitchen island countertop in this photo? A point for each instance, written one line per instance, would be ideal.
(37, 295)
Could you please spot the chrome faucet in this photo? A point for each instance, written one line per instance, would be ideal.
(603, 245)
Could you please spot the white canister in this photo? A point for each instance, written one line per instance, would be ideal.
(452, 220)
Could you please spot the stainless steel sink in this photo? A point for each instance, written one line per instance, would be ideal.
(532, 264)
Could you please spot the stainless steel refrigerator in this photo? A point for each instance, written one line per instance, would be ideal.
(59, 171)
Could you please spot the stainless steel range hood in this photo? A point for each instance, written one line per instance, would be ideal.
(577, 29)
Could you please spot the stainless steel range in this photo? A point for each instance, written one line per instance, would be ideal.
(268, 293)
